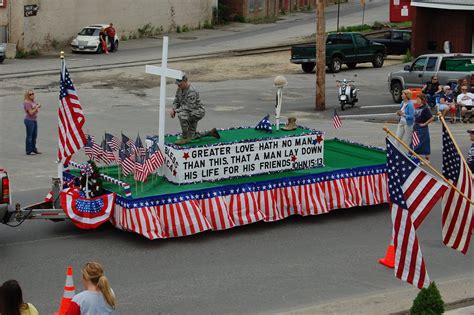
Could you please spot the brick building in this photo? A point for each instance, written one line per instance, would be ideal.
(249, 9)
(437, 21)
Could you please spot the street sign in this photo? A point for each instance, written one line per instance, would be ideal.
(30, 10)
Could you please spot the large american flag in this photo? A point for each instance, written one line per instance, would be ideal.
(415, 140)
(70, 118)
(413, 193)
(457, 222)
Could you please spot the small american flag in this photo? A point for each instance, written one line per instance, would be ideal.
(125, 160)
(264, 124)
(71, 118)
(112, 141)
(140, 171)
(336, 120)
(415, 141)
(457, 217)
(108, 152)
(88, 147)
(140, 149)
(130, 144)
(155, 158)
(413, 193)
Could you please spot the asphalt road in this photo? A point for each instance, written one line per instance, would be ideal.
(261, 268)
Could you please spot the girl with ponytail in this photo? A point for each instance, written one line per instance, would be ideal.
(98, 298)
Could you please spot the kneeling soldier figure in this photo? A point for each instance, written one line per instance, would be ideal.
(190, 110)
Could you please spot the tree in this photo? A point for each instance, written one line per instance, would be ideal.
(428, 302)
(320, 103)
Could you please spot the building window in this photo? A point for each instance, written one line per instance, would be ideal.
(3, 3)
(251, 4)
(255, 5)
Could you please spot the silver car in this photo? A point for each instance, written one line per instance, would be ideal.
(87, 40)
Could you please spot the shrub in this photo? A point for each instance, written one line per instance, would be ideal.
(377, 25)
(207, 25)
(178, 29)
(239, 18)
(407, 57)
(428, 302)
(185, 29)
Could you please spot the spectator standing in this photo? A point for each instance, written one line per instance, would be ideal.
(103, 40)
(98, 298)
(31, 108)
(406, 112)
(110, 30)
(431, 89)
(464, 100)
(447, 103)
(423, 118)
(11, 300)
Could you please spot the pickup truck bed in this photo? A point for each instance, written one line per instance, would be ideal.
(396, 42)
(341, 48)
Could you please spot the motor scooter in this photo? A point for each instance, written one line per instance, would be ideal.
(347, 93)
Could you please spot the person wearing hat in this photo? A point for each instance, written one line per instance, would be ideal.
(470, 156)
(187, 105)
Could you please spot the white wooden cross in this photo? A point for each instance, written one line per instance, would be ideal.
(164, 72)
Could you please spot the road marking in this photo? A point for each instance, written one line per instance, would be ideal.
(364, 115)
(381, 106)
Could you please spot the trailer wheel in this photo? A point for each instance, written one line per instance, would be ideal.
(308, 67)
(335, 65)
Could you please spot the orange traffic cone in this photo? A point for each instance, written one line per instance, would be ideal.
(69, 292)
(389, 259)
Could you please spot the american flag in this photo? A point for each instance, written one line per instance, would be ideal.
(108, 154)
(140, 149)
(155, 158)
(125, 161)
(92, 149)
(88, 147)
(130, 144)
(112, 141)
(413, 193)
(457, 217)
(71, 118)
(140, 171)
(264, 124)
(336, 120)
(415, 141)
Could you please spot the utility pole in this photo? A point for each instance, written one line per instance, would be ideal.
(320, 103)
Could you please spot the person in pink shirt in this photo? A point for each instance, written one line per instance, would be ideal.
(31, 108)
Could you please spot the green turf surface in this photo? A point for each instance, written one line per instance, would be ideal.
(337, 155)
(235, 135)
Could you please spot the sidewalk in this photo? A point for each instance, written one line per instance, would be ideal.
(457, 294)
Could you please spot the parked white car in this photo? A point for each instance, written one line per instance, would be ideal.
(2, 52)
(88, 39)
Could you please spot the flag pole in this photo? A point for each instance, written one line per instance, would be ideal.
(60, 162)
(440, 116)
(427, 164)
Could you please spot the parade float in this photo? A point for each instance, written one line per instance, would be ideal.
(253, 173)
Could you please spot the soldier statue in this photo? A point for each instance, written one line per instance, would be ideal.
(190, 110)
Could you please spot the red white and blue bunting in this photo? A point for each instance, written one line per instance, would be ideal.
(87, 213)
(221, 208)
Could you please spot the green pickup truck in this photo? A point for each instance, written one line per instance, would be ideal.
(348, 48)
